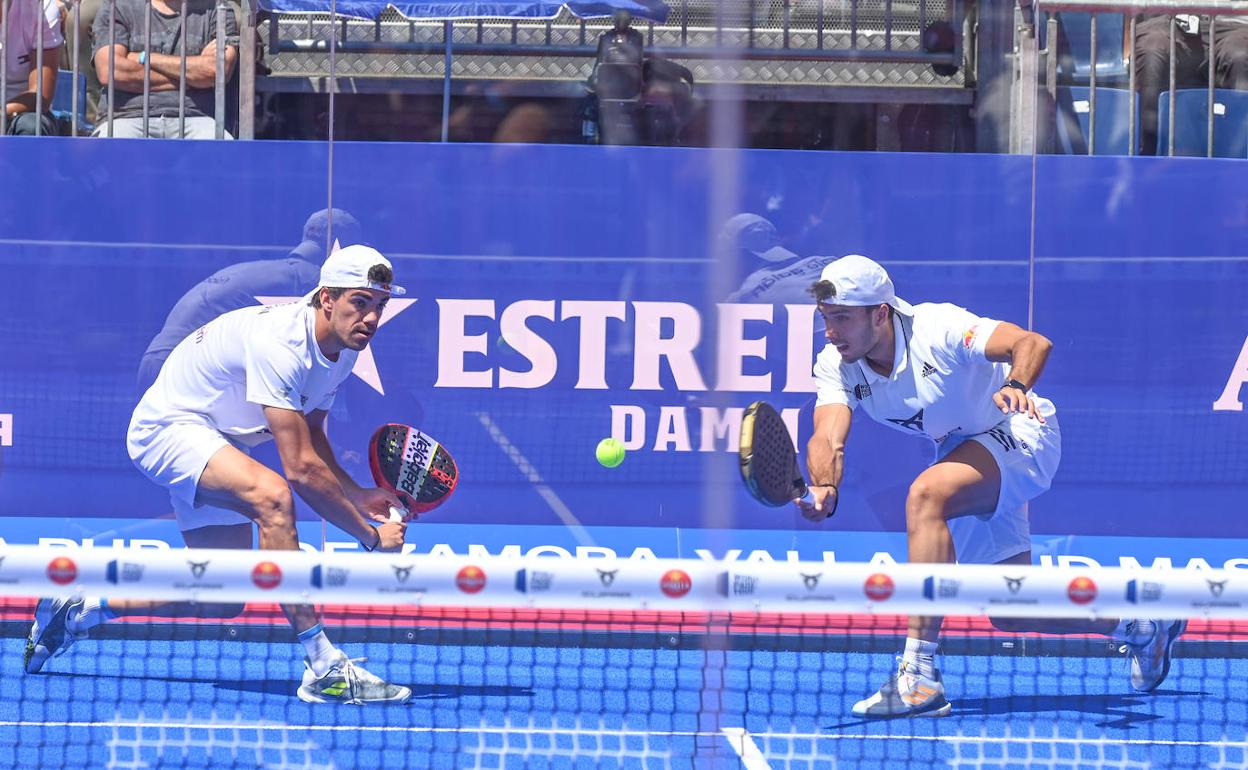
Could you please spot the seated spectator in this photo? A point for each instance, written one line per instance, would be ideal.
(130, 55)
(1191, 67)
(33, 24)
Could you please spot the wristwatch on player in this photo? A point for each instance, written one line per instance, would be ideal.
(1012, 383)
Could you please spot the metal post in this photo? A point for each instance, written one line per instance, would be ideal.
(182, 69)
(1213, 20)
(112, 64)
(448, 31)
(1023, 117)
(1092, 88)
(969, 73)
(888, 25)
(751, 21)
(4, 68)
(853, 24)
(218, 80)
(1170, 139)
(819, 31)
(788, 21)
(333, 92)
(247, 73)
(329, 145)
(1132, 97)
(147, 65)
(43, 24)
(74, 100)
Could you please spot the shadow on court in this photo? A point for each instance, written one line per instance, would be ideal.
(1125, 711)
(287, 687)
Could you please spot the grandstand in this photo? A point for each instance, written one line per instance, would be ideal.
(851, 74)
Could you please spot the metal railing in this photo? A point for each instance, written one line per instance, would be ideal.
(139, 36)
(1176, 10)
(822, 31)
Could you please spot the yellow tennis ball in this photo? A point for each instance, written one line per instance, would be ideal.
(610, 453)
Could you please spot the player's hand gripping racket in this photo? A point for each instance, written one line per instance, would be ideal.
(769, 459)
(413, 466)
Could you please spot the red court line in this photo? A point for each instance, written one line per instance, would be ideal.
(622, 621)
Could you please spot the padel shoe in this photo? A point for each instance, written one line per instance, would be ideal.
(346, 682)
(1150, 660)
(907, 693)
(49, 636)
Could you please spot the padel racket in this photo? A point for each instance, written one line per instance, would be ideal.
(769, 459)
(413, 466)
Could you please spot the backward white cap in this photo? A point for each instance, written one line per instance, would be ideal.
(347, 268)
(862, 282)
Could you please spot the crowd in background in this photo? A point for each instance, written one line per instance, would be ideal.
(633, 96)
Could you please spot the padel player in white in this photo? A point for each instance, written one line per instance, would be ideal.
(249, 376)
(965, 382)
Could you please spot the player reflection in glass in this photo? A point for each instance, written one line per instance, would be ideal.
(965, 382)
(252, 375)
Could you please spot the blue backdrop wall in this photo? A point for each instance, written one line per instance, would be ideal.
(561, 294)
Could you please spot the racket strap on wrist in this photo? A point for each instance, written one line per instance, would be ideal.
(376, 543)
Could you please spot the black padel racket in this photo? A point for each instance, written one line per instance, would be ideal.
(412, 465)
(769, 459)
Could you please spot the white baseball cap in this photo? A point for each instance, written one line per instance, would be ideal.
(347, 268)
(862, 282)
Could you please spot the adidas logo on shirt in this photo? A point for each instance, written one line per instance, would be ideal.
(928, 369)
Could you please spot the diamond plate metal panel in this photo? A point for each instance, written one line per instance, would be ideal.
(847, 25)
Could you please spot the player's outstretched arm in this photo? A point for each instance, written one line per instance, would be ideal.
(1027, 353)
(825, 459)
(373, 502)
(315, 482)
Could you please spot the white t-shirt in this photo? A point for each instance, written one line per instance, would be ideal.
(228, 370)
(942, 381)
(24, 27)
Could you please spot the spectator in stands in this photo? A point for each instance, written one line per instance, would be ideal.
(131, 55)
(1191, 45)
(33, 24)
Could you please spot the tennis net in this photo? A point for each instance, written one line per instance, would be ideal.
(595, 663)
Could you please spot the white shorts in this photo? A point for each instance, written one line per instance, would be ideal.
(174, 456)
(1027, 452)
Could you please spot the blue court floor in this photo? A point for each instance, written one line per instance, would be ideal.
(161, 704)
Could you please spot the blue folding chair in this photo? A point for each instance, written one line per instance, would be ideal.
(1112, 120)
(63, 101)
(1075, 57)
(1230, 123)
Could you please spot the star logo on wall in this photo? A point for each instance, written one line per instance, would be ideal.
(365, 366)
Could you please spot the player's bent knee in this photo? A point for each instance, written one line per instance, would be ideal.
(926, 498)
(273, 502)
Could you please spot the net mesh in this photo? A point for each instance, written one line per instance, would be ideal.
(547, 663)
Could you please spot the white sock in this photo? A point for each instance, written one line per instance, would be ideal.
(93, 613)
(1133, 631)
(321, 653)
(922, 655)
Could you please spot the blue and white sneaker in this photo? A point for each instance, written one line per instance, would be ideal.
(907, 693)
(49, 635)
(348, 682)
(1150, 660)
